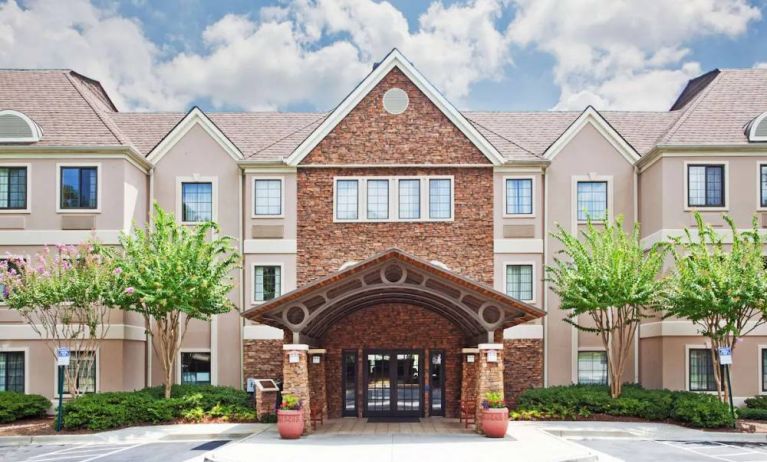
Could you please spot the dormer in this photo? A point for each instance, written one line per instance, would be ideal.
(756, 130)
(17, 127)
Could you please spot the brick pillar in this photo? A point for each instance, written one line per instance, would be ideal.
(469, 374)
(317, 388)
(489, 374)
(266, 401)
(295, 376)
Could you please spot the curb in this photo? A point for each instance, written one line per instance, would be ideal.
(105, 437)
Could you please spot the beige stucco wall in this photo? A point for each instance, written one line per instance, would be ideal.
(500, 218)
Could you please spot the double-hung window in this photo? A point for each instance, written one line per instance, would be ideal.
(378, 199)
(396, 198)
(195, 368)
(519, 281)
(763, 185)
(591, 200)
(13, 188)
(12, 371)
(347, 199)
(519, 196)
(409, 199)
(763, 359)
(196, 202)
(592, 368)
(705, 185)
(267, 282)
(85, 362)
(701, 370)
(267, 197)
(79, 188)
(440, 199)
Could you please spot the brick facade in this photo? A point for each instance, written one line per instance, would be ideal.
(262, 359)
(523, 366)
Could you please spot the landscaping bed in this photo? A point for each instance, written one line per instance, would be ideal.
(593, 402)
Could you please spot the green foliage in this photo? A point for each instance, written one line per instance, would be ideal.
(752, 413)
(290, 402)
(15, 406)
(493, 400)
(757, 402)
(102, 411)
(569, 402)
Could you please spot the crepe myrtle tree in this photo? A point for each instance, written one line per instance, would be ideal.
(66, 294)
(174, 273)
(720, 287)
(607, 283)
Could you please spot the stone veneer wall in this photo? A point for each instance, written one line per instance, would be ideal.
(392, 326)
(523, 366)
(262, 359)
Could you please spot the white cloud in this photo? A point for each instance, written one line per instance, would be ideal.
(618, 54)
(761, 65)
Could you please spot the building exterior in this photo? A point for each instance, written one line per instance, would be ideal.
(396, 239)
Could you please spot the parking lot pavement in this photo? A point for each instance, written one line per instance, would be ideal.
(682, 451)
(176, 451)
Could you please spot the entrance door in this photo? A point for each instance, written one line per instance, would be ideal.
(393, 383)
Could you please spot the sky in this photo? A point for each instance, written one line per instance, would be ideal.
(306, 55)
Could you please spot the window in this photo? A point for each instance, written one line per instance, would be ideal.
(440, 200)
(409, 199)
(79, 188)
(195, 368)
(592, 368)
(196, 202)
(705, 185)
(346, 199)
(378, 199)
(267, 197)
(267, 282)
(519, 196)
(350, 383)
(763, 185)
(12, 371)
(592, 200)
(13, 188)
(519, 281)
(701, 369)
(86, 372)
(764, 368)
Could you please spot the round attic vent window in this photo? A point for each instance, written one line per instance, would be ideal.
(395, 101)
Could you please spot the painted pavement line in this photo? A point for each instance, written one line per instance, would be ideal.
(112, 452)
(723, 457)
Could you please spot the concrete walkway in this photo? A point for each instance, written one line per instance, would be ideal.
(521, 443)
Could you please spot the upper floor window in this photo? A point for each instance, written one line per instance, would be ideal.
(519, 196)
(79, 188)
(267, 282)
(13, 188)
(17, 127)
(196, 202)
(267, 197)
(705, 185)
(591, 200)
(519, 281)
(393, 199)
(763, 359)
(763, 185)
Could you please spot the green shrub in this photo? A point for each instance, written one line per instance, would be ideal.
(752, 413)
(15, 406)
(569, 402)
(757, 402)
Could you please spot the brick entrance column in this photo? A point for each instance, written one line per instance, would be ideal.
(317, 388)
(489, 374)
(295, 376)
(469, 374)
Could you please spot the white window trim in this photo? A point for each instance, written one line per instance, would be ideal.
(393, 198)
(282, 197)
(253, 300)
(687, 349)
(99, 186)
(759, 384)
(505, 196)
(697, 208)
(752, 136)
(574, 197)
(759, 166)
(586, 350)
(213, 380)
(520, 263)
(24, 350)
(56, 376)
(180, 180)
(28, 209)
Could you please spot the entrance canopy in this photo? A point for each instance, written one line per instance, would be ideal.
(393, 276)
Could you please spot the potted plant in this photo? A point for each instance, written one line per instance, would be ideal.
(290, 417)
(495, 415)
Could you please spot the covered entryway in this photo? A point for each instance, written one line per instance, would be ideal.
(389, 337)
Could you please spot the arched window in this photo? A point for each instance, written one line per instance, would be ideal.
(757, 128)
(16, 127)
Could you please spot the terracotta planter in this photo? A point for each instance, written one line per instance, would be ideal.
(495, 422)
(290, 424)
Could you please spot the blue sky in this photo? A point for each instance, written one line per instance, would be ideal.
(307, 54)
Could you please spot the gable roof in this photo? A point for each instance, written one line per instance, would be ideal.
(392, 60)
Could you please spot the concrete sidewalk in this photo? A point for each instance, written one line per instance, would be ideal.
(146, 434)
(521, 443)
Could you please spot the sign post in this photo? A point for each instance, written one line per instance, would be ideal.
(725, 359)
(62, 361)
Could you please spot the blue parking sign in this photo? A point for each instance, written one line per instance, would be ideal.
(725, 356)
(62, 356)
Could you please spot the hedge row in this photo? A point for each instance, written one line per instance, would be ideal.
(569, 402)
(102, 411)
(15, 406)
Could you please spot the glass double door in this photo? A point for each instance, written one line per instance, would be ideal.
(393, 383)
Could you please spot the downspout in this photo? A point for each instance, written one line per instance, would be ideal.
(545, 320)
(241, 189)
(147, 333)
(636, 220)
